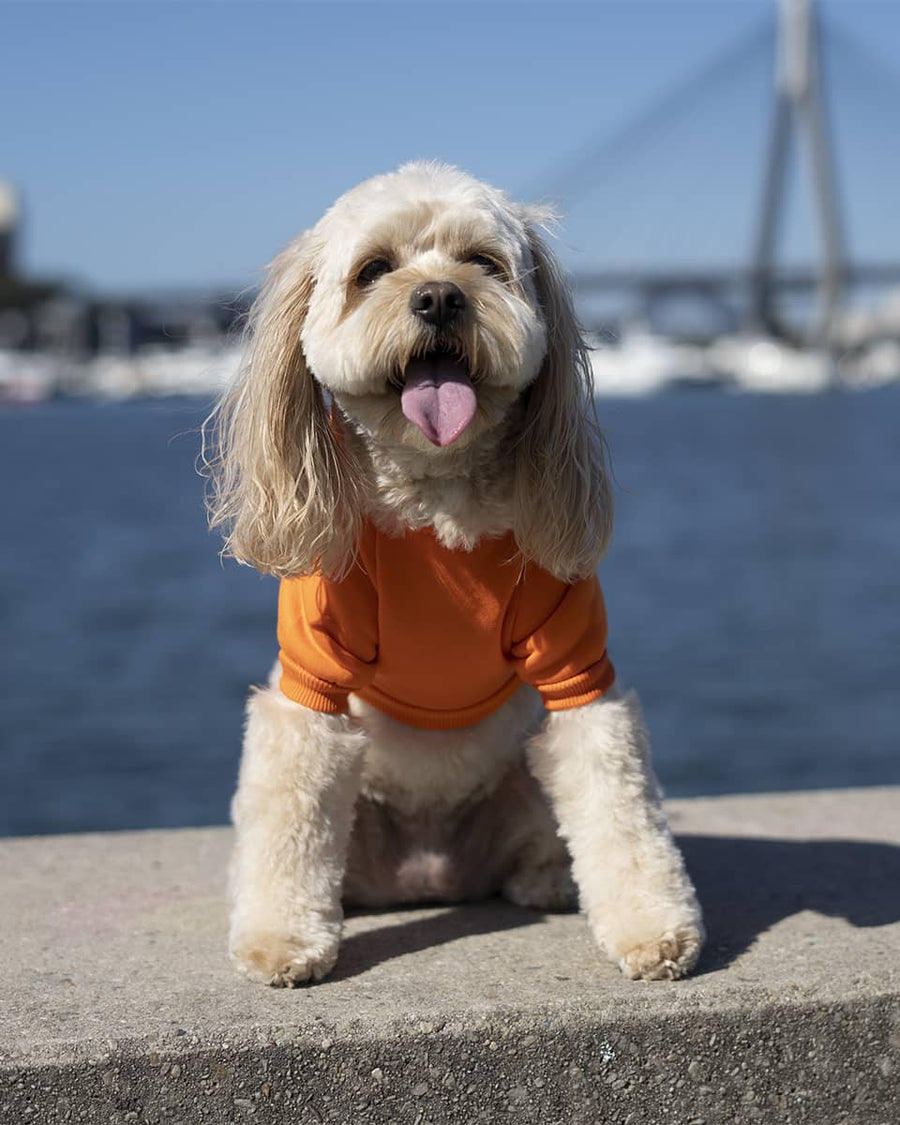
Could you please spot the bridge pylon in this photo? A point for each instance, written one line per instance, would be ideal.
(799, 109)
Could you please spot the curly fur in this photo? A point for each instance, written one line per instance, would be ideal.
(310, 441)
(290, 492)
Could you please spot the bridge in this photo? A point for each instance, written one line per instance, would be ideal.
(760, 293)
(732, 293)
(714, 279)
(751, 293)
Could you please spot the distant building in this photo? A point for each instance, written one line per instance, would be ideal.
(61, 319)
(9, 228)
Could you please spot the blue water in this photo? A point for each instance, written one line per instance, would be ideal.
(753, 588)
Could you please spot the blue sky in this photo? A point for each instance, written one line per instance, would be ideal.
(182, 143)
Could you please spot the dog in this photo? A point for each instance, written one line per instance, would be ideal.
(412, 447)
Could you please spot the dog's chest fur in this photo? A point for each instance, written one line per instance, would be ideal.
(465, 496)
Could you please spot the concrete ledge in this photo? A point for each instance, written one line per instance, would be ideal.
(118, 1003)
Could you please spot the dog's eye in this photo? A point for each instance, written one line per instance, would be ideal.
(371, 271)
(487, 264)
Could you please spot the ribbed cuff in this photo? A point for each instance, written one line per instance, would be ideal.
(578, 690)
(317, 696)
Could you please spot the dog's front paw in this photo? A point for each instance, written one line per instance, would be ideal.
(284, 962)
(668, 957)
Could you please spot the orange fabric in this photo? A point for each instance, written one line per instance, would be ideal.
(439, 638)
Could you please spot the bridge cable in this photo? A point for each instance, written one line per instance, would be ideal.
(581, 174)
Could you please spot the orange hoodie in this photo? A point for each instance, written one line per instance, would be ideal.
(439, 638)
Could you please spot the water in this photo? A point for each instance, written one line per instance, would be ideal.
(753, 589)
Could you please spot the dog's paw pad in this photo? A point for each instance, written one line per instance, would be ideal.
(282, 963)
(665, 958)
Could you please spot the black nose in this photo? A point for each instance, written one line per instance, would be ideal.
(437, 302)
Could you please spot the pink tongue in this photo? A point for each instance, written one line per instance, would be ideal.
(438, 397)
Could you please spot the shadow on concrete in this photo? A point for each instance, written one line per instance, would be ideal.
(746, 885)
(363, 951)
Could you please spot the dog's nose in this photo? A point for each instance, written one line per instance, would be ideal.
(437, 302)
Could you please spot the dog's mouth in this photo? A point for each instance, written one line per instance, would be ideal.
(438, 396)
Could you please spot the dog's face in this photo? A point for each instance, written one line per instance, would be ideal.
(429, 308)
(423, 320)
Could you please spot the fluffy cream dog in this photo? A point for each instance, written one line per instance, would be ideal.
(415, 367)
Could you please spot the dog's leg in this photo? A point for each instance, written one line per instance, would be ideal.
(293, 811)
(594, 763)
(540, 872)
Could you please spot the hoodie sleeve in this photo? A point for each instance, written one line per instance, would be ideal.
(328, 637)
(559, 639)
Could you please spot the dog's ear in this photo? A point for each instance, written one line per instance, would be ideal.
(562, 496)
(283, 487)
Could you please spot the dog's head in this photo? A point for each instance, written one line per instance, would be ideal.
(423, 319)
(426, 305)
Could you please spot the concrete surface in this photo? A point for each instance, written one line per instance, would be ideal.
(119, 1005)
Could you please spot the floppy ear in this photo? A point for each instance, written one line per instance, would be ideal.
(562, 498)
(284, 489)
